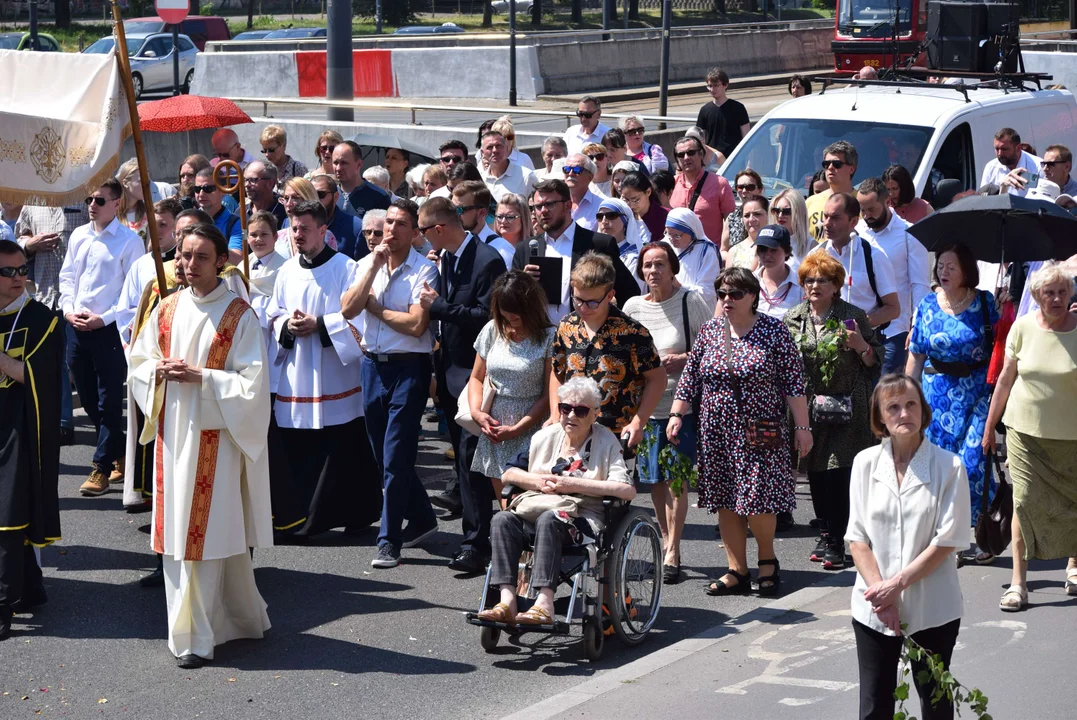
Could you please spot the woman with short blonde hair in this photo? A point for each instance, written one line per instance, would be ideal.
(274, 141)
(503, 125)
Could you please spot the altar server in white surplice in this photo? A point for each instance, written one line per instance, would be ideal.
(319, 406)
(198, 371)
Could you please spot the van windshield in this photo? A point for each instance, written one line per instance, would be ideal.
(788, 152)
(873, 19)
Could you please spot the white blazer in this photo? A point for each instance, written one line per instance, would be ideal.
(930, 508)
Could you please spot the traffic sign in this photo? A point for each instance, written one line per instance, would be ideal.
(172, 11)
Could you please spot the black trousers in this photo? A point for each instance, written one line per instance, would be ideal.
(18, 568)
(100, 370)
(878, 656)
(830, 498)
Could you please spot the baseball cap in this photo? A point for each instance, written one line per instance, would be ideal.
(774, 236)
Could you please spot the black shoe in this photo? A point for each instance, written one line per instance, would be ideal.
(30, 599)
(447, 501)
(834, 558)
(816, 523)
(190, 662)
(5, 623)
(386, 557)
(469, 562)
(67, 436)
(671, 574)
(785, 522)
(410, 538)
(154, 579)
(820, 548)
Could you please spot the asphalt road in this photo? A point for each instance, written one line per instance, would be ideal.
(346, 640)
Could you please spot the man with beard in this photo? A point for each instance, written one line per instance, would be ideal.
(1009, 157)
(908, 259)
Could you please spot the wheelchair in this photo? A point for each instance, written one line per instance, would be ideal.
(616, 582)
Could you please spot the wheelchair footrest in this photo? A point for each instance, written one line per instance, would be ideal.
(558, 627)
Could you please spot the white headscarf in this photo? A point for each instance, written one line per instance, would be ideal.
(685, 220)
(635, 231)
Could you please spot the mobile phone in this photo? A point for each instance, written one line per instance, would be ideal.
(1034, 179)
(850, 324)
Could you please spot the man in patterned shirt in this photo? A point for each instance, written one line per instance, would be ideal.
(599, 341)
(43, 233)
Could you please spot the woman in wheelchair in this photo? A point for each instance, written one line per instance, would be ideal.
(572, 465)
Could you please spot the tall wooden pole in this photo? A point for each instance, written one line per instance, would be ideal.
(140, 153)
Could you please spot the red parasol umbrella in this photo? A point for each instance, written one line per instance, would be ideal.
(189, 112)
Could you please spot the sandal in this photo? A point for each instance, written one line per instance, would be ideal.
(1071, 581)
(501, 613)
(768, 585)
(534, 616)
(984, 558)
(1014, 599)
(671, 574)
(717, 588)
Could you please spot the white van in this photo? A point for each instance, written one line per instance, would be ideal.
(933, 130)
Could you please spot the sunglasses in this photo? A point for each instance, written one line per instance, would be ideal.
(586, 115)
(202, 189)
(836, 164)
(545, 205)
(782, 211)
(733, 294)
(323, 194)
(816, 281)
(507, 218)
(634, 131)
(589, 304)
(597, 157)
(94, 199)
(225, 154)
(580, 411)
(607, 215)
(24, 270)
(428, 228)
(686, 153)
(747, 188)
(573, 170)
(270, 149)
(326, 149)
(461, 209)
(373, 233)
(449, 159)
(1051, 163)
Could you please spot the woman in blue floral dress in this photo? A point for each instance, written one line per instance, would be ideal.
(949, 349)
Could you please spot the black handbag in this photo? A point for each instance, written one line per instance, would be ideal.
(993, 526)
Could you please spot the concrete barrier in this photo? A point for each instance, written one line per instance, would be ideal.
(261, 74)
(1062, 65)
(465, 72)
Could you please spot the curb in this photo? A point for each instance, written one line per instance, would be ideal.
(648, 664)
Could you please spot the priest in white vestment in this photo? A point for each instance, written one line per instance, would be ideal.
(198, 371)
(318, 405)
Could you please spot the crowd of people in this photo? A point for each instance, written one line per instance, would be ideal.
(561, 314)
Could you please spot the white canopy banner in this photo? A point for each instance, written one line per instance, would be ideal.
(63, 119)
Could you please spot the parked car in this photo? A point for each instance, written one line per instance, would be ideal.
(296, 33)
(252, 35)
(21, 41)
(427, 29)
(198, 28)
(522, 6)
(151, 60)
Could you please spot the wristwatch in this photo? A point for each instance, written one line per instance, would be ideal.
(676, 415)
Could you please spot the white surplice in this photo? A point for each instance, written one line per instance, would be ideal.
(319, 386)
(210, 589)
(263, 278)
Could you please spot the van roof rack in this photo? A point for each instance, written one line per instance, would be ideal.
(994, 81)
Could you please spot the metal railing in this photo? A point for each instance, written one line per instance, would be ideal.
(568, 115)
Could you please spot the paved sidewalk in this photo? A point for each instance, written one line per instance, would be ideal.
(796, 658)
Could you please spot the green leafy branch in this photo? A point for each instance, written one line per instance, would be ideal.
(827, 348)
(677, 466)
(946, 685)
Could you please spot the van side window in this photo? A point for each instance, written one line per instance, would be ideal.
(195, 29)
(954, 161)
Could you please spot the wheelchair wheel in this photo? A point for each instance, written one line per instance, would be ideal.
(636, 592)
(488, 638)
(593, 639)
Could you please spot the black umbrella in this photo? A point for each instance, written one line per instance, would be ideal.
(997, 227)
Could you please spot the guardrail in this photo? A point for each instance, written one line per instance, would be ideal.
(569, 116)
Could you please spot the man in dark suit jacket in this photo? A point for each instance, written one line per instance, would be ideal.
(552, 206)
(461, 307)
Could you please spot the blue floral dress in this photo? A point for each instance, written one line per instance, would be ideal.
(958, 405)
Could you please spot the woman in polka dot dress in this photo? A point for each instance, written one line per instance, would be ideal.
(747, 485)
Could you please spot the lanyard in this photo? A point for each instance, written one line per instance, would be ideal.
(11, 333)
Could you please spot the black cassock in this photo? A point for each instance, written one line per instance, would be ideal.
(29, 441)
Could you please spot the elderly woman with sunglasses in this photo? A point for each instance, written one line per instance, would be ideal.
(616, 220)
(602, 182)
(647, 153)
(699, 257)
(747, 183)
(571, 466)
(743, 375)
(323, 151)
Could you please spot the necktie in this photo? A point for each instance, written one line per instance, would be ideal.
(448, 263)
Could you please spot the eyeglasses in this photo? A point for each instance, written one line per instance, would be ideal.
(597, 157)
(323, 194)
(836, 164)
(461, 209)
(545, 205)
(816, 281)
(747, 188)
(634, 131)
(633, 201)
(685, 153)
(24, 270)
(607, 215)
(782, 211)
(373, 233)
(326, 149)
(733, 294)
(224, 155)
(288, 199)
(573, 170)
(450, 159)
(100, 201)
(252, 180)
(507, 218)
(201, 189)
(269, 150)
(586, 115)
(589, 304)
(580, 411)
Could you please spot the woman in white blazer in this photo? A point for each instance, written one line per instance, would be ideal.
(908, 513)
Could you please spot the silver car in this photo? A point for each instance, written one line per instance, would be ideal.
(151, 60)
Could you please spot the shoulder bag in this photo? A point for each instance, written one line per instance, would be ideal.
(760, 433)
(993, 525)
(530, 505)
(463, 406)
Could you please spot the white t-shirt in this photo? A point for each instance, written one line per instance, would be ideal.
(995, 171)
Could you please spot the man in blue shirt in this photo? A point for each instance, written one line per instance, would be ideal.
(356, 195)
(346, 228)
(210, 198)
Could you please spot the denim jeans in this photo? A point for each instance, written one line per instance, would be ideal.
(894, 360)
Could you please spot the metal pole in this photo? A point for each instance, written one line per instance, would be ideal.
(34, 44)
(626, 14)
(512, 53)
(140, 152)
(663, 81)
(175, 60)
(377, 17)
(605, 16)
(339, 81)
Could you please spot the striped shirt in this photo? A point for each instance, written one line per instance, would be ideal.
(45, 264)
